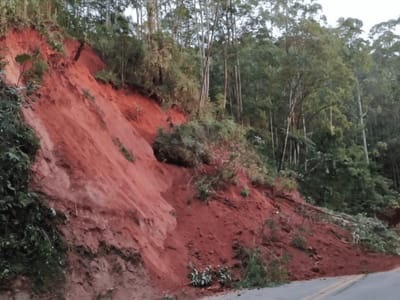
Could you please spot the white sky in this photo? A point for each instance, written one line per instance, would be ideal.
(371, 12)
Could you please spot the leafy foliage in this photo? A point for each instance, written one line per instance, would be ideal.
(339, 178)
(201, 278)
(34, 75)
(187, 145)
(257, 273)
(299, 242)
(371, 232)
(224, 276)
(30, 244)
(107, 76)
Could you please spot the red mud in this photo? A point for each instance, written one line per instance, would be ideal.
(148, 207)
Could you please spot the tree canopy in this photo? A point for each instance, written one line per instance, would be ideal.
(323, 99)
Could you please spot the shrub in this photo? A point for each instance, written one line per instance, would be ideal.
(37, 71)
(108, 77)
(245, 193)
(372, 233)
(201, 279)
(30, 244)
(34, 76)
(257, 273)
(185, 146)
(206, 277)
(224, 276)
(299, 242)
(216, 180)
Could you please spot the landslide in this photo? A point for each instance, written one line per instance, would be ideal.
(133, 226)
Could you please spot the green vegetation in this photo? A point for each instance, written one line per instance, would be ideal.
(200, 142)
(299, 242)
(88, 95)
(125, 151)
(32, 76)
(368, 232)
(186, 145)
(316, 101)
(106, 76)
(201, 279)
(30, 244)
(257, 273)
(271, 89)
(245, 193)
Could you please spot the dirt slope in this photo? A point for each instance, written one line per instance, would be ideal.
(133, 227)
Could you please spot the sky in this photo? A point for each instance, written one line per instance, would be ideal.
(371, 12)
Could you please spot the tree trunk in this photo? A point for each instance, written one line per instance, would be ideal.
(364, 135)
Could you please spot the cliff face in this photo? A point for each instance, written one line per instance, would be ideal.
(132, 227)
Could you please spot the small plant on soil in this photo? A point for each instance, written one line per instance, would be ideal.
(273, 231)
(201, 279)
(299, 242)
(209, 275)
(88, 95)
(125, 152)
(245, 193)
(224, 276)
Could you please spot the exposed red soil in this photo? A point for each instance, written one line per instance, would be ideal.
(115, 208)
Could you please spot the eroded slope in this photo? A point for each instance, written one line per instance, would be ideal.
(126, 218)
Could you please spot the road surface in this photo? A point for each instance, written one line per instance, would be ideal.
(377, 286)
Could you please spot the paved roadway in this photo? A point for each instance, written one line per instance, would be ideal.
(377, 286)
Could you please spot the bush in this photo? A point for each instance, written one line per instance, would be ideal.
(186, 145)
(245, 193)
(299, 242)
(207, 185)
(257, 274)
(224, 276)
(34, 76)
(201, 279)
(108, 77)
(206, 277)
(371, 232)
(30, 244)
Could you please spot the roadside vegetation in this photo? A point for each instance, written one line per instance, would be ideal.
(30, 244)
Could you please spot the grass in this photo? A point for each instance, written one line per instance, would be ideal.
(125, 151)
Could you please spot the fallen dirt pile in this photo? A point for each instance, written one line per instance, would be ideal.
(133, 226)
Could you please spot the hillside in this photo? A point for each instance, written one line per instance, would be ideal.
(133, 227)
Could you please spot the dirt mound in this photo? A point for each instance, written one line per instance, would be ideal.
(133, 226)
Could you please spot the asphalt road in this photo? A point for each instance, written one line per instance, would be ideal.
(377, 286)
